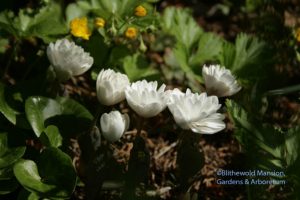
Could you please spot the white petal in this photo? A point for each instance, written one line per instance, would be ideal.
(209, 125)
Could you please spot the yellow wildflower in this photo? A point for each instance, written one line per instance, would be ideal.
(79, 28)
(131, 33)
(140, 11)
(298, 34)
(99, 22)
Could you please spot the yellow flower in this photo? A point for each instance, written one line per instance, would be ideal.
(99, 22)
(298, 34)
(79, 28)
(131, 33)
(140, 11)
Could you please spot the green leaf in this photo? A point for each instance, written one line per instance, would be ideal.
(51, 136)
(73, 11)
(52, 177)
(38, 109)
(249, 132)
(136, 67)
(71, 107)
(9, 155)
(109, 8)
(48, 22)
(251, 57)
(5, 109)
(180, 23)
(64, 113)
(227, 56)
(209, 47)
(292, 144)
(6, 22)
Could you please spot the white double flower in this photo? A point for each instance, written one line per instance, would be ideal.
(196, 112)
(111, 86)
(68, 59)
(219, 81)
(145, 99)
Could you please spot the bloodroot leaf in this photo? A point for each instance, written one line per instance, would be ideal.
(38, 109)
(53, 176)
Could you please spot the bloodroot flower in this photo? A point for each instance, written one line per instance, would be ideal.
(219, 81)
(144, 98)
(68, 59)
(113, 125)
(111, 86)
(196, 112)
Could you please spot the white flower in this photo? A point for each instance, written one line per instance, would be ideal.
(219, 81)
(144, 98)
(68, 59)
(113, 125)
(196, 112)
(111, 86)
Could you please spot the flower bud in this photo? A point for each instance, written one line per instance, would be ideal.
(113, 125)
(131, 33)
(140, 11)
(99, 22)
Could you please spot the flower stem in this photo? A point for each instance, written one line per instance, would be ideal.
(140, 125)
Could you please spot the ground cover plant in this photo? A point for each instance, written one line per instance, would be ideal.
(149, 99)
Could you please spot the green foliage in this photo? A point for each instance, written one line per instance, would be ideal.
(46, 116)
(193, 46)
(180, 23)
(45, 24)
(53, 176)
(136, 67)
(248, 58)
(257, 138)
(209, 47)
(9, 112)
(8, 156)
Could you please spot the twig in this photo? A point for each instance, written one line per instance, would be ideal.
(165, 150)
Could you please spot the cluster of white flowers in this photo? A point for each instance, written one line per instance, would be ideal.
(197, 112)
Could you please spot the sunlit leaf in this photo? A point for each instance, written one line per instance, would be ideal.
(38, 109)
